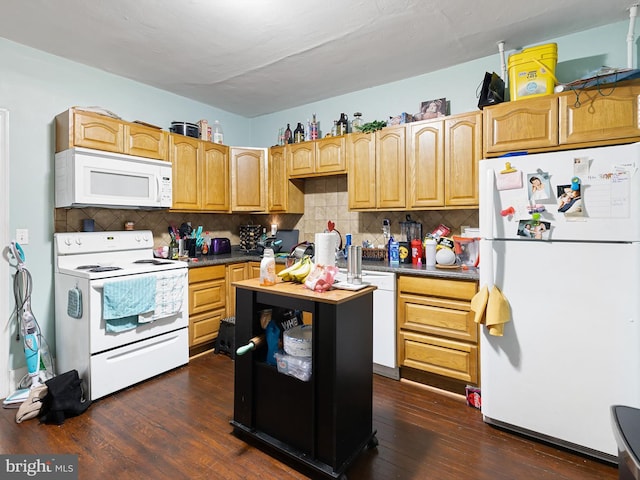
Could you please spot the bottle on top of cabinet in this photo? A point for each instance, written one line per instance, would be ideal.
(343, 124)
(314, 128)
(298, 133)
(288, 135)
(356, 123)
(216, 133)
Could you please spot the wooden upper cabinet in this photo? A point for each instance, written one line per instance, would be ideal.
(605, 115)
(302, 158)
(463, 151)
(390, 167)
(361, 158)
(521, 125)
(425, 164)
(326, 156)
(331, 155)
(277, 179)
(608, 115)
(186, 160)
(77, 128)
(284, 195)
(215, 177)
(145, 141)
(248, 185)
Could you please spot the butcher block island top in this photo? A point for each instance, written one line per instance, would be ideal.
(298, 290)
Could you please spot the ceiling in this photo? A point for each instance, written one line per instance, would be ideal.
(253, 57)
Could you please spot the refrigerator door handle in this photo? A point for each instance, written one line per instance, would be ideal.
(489, 207)
(487, 212)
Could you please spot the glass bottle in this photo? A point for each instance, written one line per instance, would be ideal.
(173, 248)
(218, 136)
(288, 136)
(356, 123)
(298, 133)
(334, 129)
(342, 124)
(314, 128)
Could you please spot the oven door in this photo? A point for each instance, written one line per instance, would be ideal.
(172, 283)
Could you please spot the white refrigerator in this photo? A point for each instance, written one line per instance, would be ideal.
(561, 239)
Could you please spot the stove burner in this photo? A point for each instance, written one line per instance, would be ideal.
(153, 260)
(86, 267)
(104, 269)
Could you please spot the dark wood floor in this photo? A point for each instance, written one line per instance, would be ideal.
(176, 426)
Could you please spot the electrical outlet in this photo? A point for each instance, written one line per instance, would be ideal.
(22, 236)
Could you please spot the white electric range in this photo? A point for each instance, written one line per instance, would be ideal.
(110, 355)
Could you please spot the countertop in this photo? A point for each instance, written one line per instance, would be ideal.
(470, 274)
(297, 290)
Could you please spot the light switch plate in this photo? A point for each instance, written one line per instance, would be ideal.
(22, 236)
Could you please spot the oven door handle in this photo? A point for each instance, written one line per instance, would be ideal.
(99, 284)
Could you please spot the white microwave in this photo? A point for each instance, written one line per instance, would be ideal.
(93, 178)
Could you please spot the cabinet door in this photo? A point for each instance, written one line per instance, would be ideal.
(278, 180)
(463, 151)
(204, 327)
(521, 125)
(600, 118)
(215, 177)
(330, 155)
(248, 186)
(361, 156)
(235, 273)
(253, 270)
(98, 131)
(145, 141)
(425, 164)
(184, 154)
(302, 158)
(390, 167)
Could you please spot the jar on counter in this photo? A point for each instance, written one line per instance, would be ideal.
(129, 226)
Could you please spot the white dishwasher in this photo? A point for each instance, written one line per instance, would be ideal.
(384, 321)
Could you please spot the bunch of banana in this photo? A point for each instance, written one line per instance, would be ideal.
(297, 272)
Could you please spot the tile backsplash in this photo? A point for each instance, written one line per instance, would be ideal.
(325, 199)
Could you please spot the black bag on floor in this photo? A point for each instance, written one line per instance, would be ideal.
(65, 398)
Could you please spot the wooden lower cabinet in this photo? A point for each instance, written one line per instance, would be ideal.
(207, 303)
(437, 337)
(235, 273)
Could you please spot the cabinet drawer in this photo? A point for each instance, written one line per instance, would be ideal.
(205, 296)
(440, 356)
(204, 327)
(202, 274)
(436, 287)
(447, 318)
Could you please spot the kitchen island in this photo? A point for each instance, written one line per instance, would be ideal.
(324, 423)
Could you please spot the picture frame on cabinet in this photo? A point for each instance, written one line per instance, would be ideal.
(432, 109)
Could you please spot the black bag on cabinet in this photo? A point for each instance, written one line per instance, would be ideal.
(65, 398)
(492, 91)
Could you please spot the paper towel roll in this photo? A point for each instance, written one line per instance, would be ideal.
(325, 249)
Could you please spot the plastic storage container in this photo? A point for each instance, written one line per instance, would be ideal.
(532, 71)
